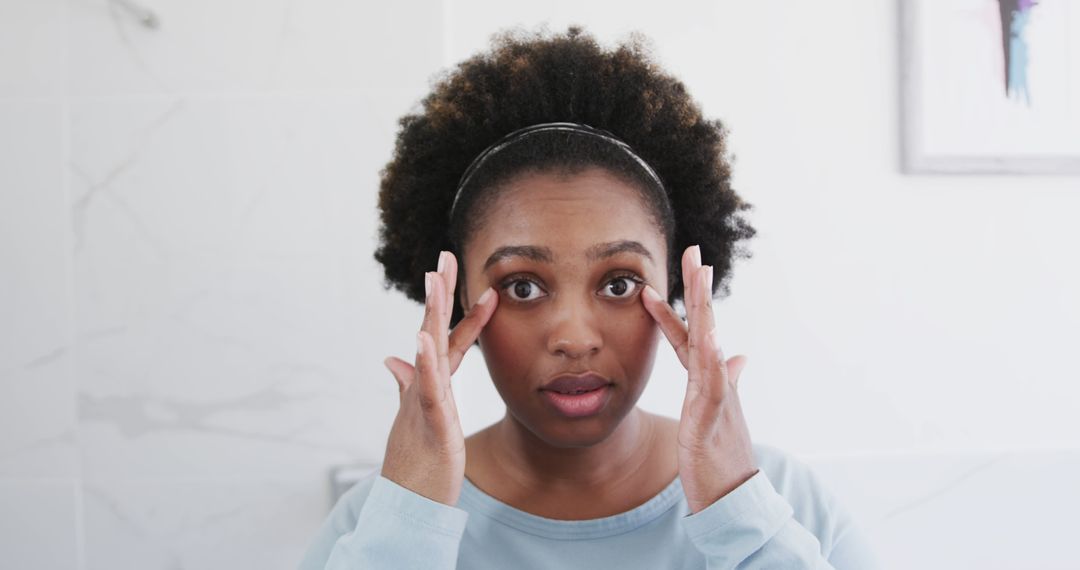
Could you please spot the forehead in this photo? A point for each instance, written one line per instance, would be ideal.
(567, 213)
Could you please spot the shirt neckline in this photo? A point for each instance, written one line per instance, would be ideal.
(474, 499)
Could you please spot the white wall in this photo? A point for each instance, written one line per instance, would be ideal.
(192, 324)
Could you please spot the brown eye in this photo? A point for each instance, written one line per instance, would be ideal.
(622, 286)
(523, 289)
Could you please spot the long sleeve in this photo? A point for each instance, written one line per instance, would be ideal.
(754, 526)
(391, 528)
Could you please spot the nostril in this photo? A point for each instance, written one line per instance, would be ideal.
(574, 337)
(576, 349)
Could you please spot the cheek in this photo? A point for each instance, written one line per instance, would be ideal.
(633, 335)
(507, 344)
(640, 323)
(504, 328)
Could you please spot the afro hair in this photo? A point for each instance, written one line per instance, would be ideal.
(534, 77)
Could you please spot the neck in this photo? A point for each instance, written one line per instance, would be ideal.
(535, 464)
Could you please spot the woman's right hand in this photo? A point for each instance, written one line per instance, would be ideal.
(425, 452)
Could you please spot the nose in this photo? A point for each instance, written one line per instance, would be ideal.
(573, 333)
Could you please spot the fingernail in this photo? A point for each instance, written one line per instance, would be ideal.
(486, 296)
(697, 254)
(651, 293)
(442, 261)
(427, 284)
(419, 343)
(706, 280)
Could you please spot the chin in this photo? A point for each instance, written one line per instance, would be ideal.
(563, 432)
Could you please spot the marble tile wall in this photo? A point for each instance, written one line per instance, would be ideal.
(192, 324)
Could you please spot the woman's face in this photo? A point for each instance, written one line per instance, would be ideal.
(568, 257)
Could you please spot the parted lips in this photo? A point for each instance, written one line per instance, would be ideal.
(569, 383)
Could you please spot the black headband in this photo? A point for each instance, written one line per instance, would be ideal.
(556, 126)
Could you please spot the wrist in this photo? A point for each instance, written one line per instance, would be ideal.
(722, 488)
(440, 490)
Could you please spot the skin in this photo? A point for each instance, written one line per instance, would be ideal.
(587, 306)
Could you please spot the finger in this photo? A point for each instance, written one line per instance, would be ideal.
(442, 291)
(708, 388)
(431, 304)
(670, 323)
(402, 371)
(431, 390)
(690, 257)
(735, 366)
(448, 266)
(468, 328)
(706, 319)
(448, 270)
(710, 356)
(436, 322)
(691, 260)
(701, 310)
(698, 329)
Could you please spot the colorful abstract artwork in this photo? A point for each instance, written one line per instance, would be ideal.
(991, 86)
(1015, 16)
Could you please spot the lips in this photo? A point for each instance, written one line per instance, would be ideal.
(577, 395)
(576, 384)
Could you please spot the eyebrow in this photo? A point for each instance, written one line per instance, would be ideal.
(543, 254)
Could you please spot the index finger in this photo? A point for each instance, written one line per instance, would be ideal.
(468, 329)
(671, 325)
(691, 260)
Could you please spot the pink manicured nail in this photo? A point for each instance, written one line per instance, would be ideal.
(706, 281)
(427, 285)
(442, 261)
(695, 253)
(651, 293)
(486, 296)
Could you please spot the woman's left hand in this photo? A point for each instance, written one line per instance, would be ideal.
(715, 453)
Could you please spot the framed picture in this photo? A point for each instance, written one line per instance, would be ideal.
(990, 86)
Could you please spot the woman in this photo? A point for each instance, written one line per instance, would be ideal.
(570, 196)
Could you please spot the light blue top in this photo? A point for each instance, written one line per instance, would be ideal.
(782, 517)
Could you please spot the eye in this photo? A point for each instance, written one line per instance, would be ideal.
(522, 289)
(623, 286)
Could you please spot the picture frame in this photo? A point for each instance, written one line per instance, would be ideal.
(990, 86)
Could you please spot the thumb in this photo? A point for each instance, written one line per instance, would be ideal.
(403, 371)
(735, 366)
